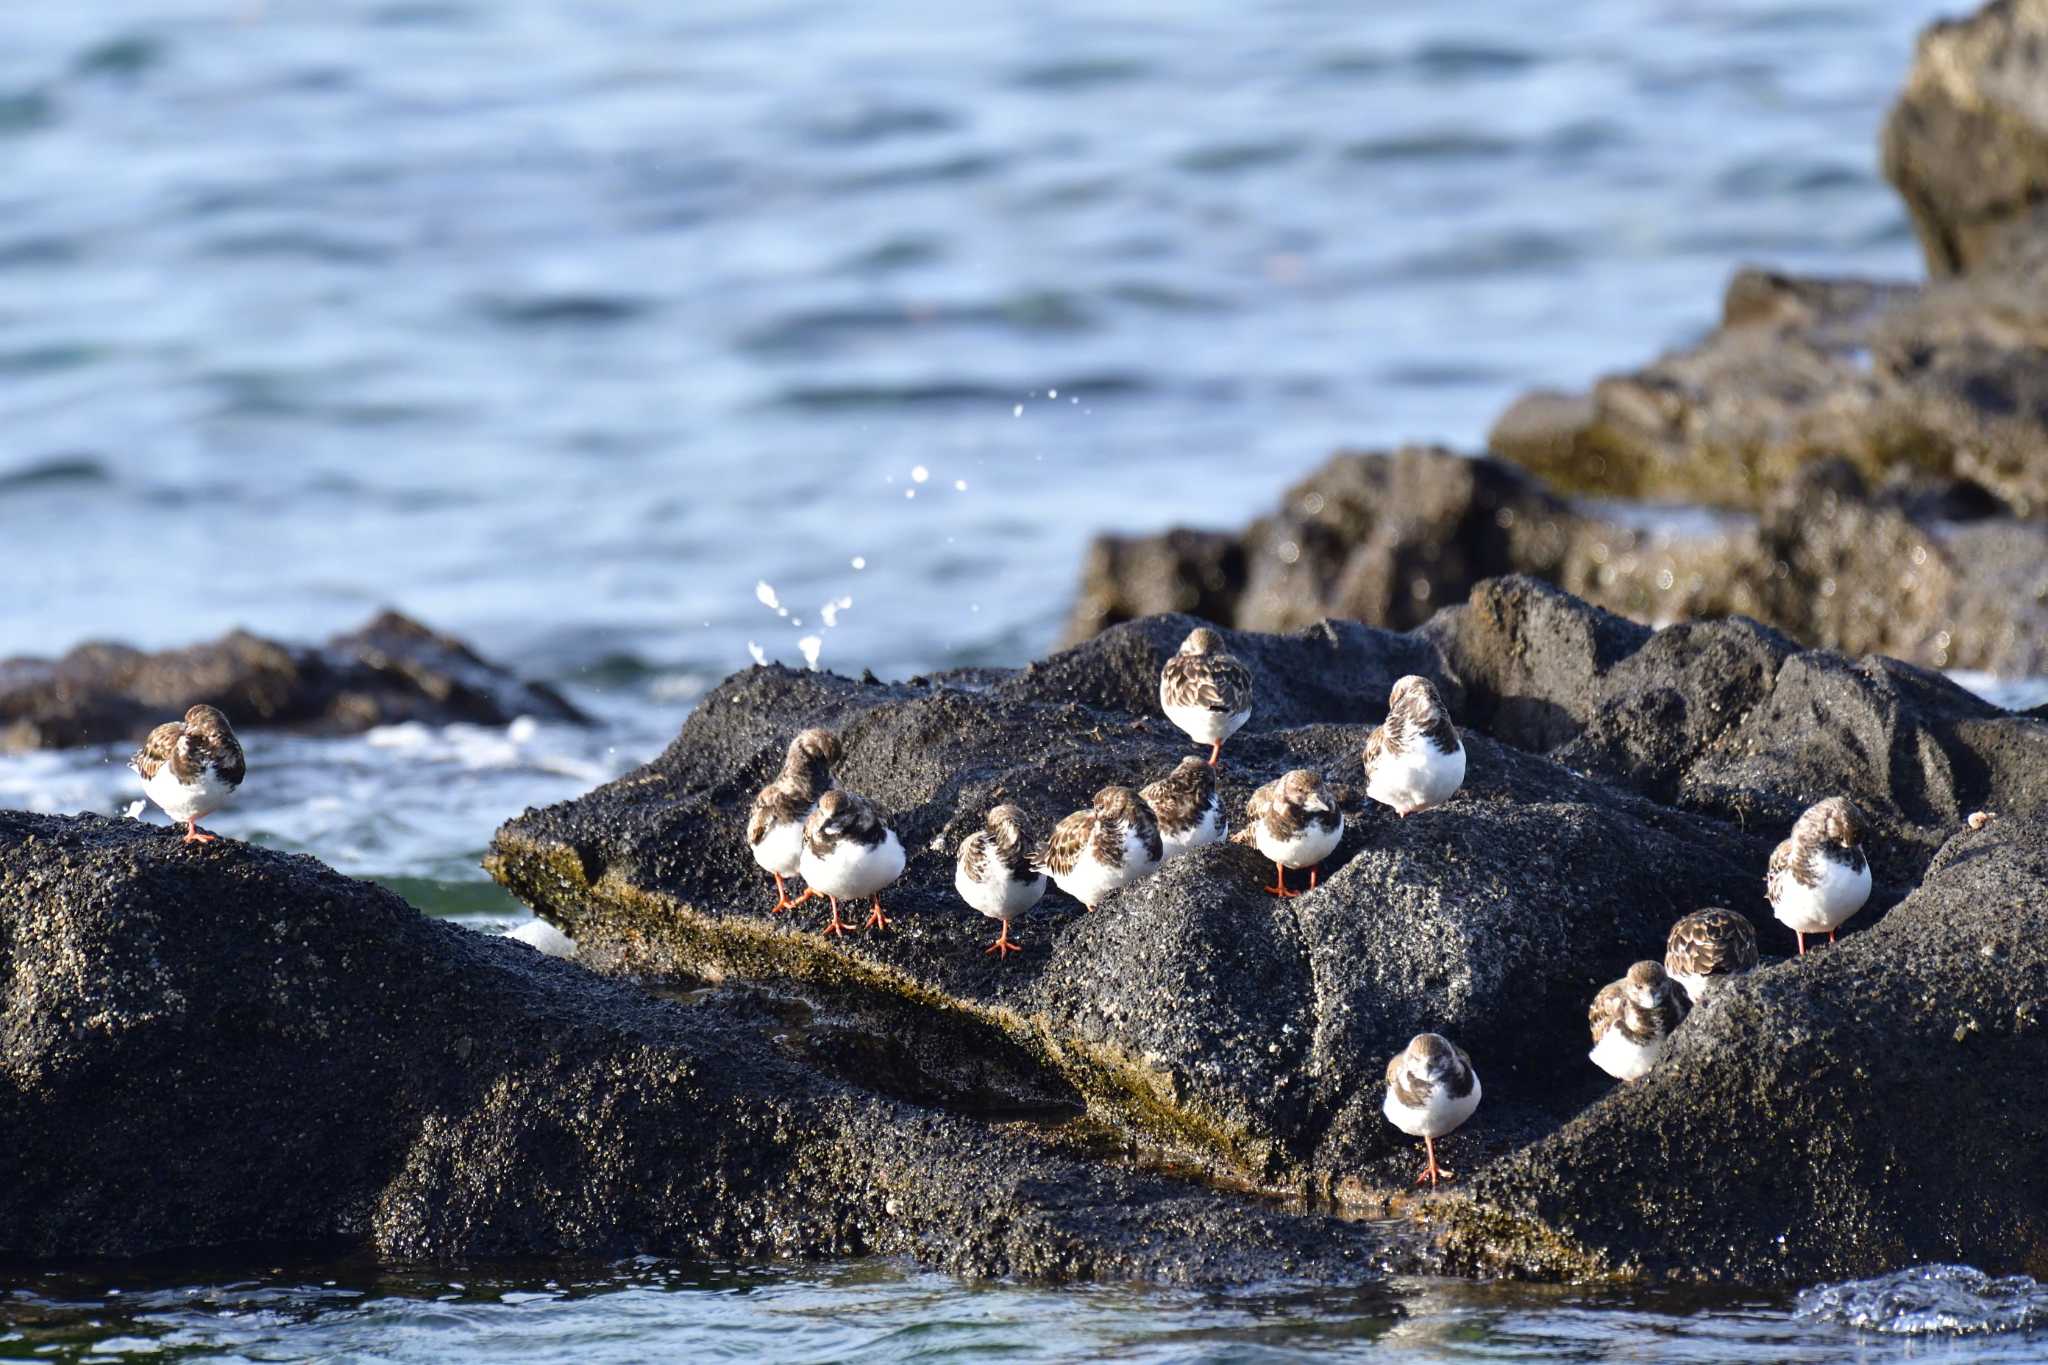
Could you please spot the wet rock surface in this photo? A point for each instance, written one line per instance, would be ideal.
(225, 1045)
(1619, 777)
(1922, 570)
(391, 669)
(1883, 1102)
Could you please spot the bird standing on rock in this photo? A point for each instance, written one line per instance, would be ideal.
(1293, 821)
(1819, 877)
(849, 853)
(1709, 946)
(775, 825)
(993, 873)
(1187, 806)
(1414, 759)
(1205, 692)
(1103, 848)
(1431, 1089)
(1633, 1020)
(191, 768)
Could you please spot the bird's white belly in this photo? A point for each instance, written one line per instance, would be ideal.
(1208, 830)
(1202, 724)
(852, 871)
(1695, 985)
(1440, 1115)
(1004, 898)
(1092, 879)
(1819, 909)
(188, 800)
(781, 849)
(1306, 849)
(1417, 780)
(1623, 1058)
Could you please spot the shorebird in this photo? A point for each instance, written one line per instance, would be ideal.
(1709, 945)
(1819, 877)
(1205, 692)
(1633, 1020)
(1431, 1089)
(1293, 821)
(191, 768)
(1414, 759)
(849, 853)
(1187, 806)
(993, 873)
(1107, 846)
(775, 825)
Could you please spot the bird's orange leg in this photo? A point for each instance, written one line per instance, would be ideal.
(1831, 936)
(836, 927)
(1802, 941)
(1004, 944)
(1279, 886)
(782, 900)
(196, 835)
(1215, 752)
(1312, 875)
(1433, 1172)
(876, 919)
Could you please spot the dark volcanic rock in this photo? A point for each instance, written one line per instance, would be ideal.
(1628, 776)
(201, 1047)
(1855, 1110)
(391, 669)
(1947, 380)
(1967, 143)
(1919, 571)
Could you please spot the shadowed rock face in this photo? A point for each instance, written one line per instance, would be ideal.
(1882, 1102)
(201, 1047)
(1967, 143)
(1922, 571)
(1618, 778)
(389, 670)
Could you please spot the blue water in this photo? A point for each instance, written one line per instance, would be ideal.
(627, 339)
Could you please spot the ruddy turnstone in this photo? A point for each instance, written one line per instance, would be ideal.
(1709, 946)
(1110, 845)
(1293, 821)
(1187, 806)
(191, 767)
(775, 826)
(848, 854)
(1633, 1020)
(1205, 692)
(1414, 760)
(1819, 877)
(994, 874)
(1431, 1089)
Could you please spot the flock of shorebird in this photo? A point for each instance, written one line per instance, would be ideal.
(802, 825)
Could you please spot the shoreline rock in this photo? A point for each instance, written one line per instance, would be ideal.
(201, 1048)
(1619, 777)
(1927, 573)
(389, 669)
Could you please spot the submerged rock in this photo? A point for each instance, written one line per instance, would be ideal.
(390, 669)
(1922, 572)
(205, 1047)
(1618, 778)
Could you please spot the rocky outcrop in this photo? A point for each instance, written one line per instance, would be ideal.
(1619, 777)
(1926, 572)
(1944, 381)
(1967, 143)
(391, 669)
(225, 1045)
(1787, 1135)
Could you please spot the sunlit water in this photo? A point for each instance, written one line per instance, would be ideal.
(629, 341)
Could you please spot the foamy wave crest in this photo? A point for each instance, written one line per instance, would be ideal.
(1929, 1299)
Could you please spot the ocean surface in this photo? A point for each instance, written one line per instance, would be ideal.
(636, 341)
